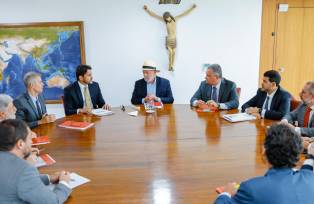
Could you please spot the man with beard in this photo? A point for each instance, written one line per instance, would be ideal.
(151, 87)
(20, 182)
(83, 95)
(271, 101)
(303, 115)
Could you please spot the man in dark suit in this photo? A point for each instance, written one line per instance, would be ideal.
(271, 101)
(151, 87)
(216, 91)
(304, 114)
(83, 95)
(31, 105)
(21, 182)
(281, 183)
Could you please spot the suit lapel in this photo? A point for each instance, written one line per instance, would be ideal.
(42, 104)
(221, 89)
(30, 102)
(157, 86)
(79, 94)
(275, 99)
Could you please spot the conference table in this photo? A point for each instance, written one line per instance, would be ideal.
(175, 155)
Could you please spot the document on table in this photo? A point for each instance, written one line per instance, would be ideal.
(133, 113)
(101, 112)
(75, 181)
(238, 117)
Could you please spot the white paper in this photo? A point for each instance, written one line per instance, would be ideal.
(134, 113)
(76, 180)
(101, 112)
(238, 117)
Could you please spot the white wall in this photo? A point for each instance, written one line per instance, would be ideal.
(119, 36)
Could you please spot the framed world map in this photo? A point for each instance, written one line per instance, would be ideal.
(52, 49)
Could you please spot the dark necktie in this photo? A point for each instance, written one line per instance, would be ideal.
(214, 94)
(38, 109)
(266, 104)
(307, 117)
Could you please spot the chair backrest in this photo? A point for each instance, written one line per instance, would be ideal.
(294, 104)
(238, 89)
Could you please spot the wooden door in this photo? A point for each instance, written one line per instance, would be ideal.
(288, 42)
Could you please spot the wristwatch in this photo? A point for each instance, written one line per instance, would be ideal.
(309, 156)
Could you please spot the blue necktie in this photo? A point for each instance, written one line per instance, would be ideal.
(38, 109)
(214, 94)
(266, 104)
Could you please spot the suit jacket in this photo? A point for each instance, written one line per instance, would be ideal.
(73, 98)
(163, 91)
(227, 93)
(278, 186)
(27, 111)
(298, 115)
(21, 183)
(279, 107)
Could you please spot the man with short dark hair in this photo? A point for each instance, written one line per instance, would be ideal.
(31, 105)
(304, 114)
(83, 95)
(281, 183)
(20, 182)
(216, 91)
(271, 101)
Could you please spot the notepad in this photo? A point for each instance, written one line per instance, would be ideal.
(44, 160)
(101, 112)
(238, 117)
(75, 181)
(76, 125)
(40, 140)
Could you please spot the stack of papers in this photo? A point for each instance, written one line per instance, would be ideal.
(44, 160)
(76, 125)
(76, 180)
(101, 112)
(238, 117)
(40, 140)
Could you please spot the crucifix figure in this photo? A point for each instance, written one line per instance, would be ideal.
(171, 40)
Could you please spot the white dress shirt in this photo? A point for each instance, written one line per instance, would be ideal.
(271, 96)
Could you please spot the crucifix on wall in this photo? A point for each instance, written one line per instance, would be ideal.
(171, 39)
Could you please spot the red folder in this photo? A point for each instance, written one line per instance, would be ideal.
(44, 160)
(40, 140)
(76, 125)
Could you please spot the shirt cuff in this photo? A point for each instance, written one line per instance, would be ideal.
(223, 106)
(285, 120)
(308, 148)
(298, 130)
(158, 99)
(194, 103)
(308, 162)
(66, 184)
(225, 193)
(263, 113)
(48, 178)
(143, 100)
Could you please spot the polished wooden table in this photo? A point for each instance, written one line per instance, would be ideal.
(175, 155)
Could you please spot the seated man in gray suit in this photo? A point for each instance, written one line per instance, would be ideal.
(7, 108)
(20, 182)
(216, 91)
(31, 105)
(304, 113)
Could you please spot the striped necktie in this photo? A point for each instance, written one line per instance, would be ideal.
(87, 101)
